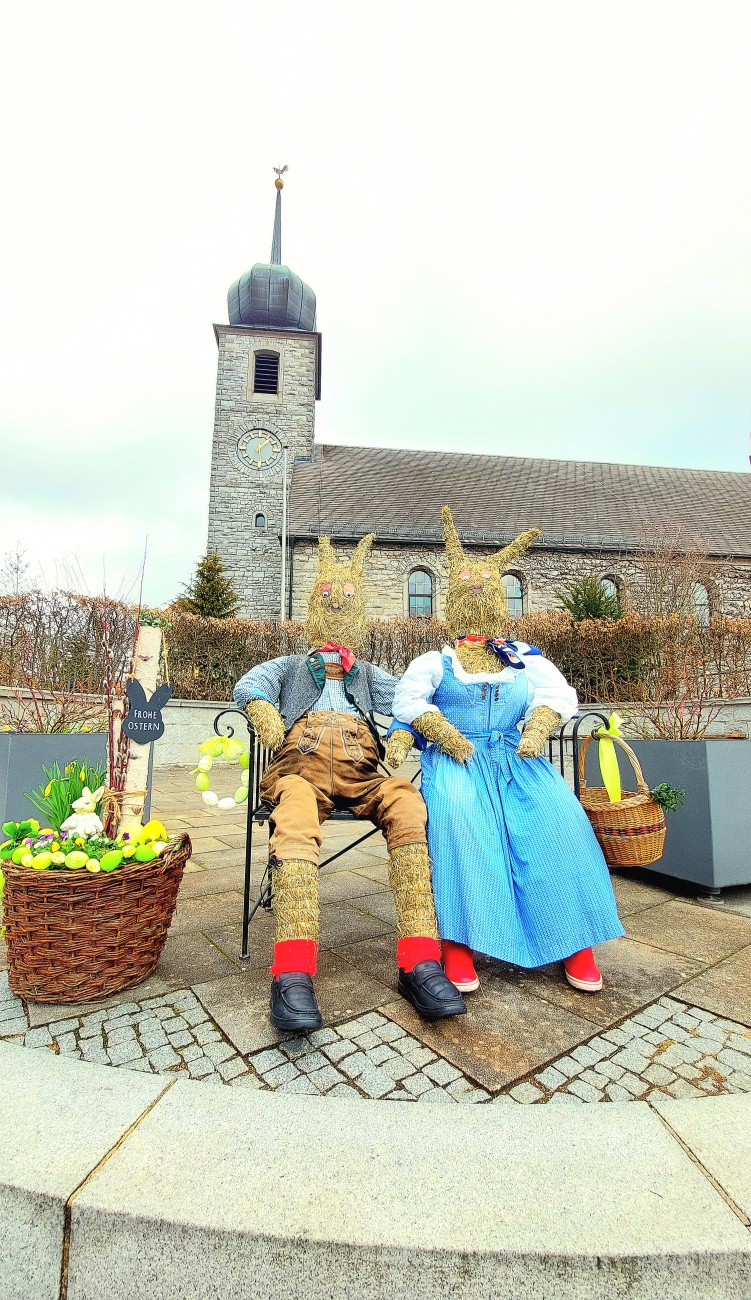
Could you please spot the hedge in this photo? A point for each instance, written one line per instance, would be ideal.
(57, 639)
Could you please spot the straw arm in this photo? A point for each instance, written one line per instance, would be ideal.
(434, 727)
(268, 723)
(398, 747)
(540, 725)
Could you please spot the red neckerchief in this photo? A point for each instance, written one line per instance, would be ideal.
(346, 655)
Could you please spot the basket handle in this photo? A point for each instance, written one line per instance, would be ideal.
(641, 784)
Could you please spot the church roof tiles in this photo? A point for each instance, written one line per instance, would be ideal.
(349, 491)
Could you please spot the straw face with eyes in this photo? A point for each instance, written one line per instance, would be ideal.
(336, 606)
(476, 598)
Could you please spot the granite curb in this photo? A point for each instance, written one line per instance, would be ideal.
(120, 1184)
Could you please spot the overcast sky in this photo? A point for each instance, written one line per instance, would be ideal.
(528, 227)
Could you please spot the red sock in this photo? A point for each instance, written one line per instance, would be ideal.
(297, 955)
(411, 951)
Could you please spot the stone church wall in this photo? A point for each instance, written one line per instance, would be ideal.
(540, 572)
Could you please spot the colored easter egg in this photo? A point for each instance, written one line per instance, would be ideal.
(112, 860)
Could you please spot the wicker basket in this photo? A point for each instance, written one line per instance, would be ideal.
(78, 936)
(631, 833)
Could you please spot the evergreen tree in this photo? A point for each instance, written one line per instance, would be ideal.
(587, 598)
(211, 594)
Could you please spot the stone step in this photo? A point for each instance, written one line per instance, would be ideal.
(210, 1191)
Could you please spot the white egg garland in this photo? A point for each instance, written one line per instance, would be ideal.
(232, 751)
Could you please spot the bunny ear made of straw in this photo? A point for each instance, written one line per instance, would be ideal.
(454, 548)
(326, 556)
(361, 556)
(516, 548)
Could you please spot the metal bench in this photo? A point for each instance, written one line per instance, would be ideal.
(562, 744)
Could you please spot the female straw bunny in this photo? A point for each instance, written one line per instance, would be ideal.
(517, 871)
(83, 820)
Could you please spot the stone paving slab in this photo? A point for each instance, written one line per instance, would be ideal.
(725, 989)
(701, 933)
(308, 1203)
(507, 1033)
(634, 974)
(720, 1139)
(240, 1003)
(59, 1122)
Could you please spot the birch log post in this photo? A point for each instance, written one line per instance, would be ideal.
(145, 671)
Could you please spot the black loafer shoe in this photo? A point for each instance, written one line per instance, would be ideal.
(293, 1004)
(430, 992)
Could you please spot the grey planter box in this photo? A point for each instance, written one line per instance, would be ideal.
(709, 840)
(22, 756)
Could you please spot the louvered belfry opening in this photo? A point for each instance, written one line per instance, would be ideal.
(266, 372)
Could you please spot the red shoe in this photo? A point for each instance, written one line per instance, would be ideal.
(581, 971)
(459, 966)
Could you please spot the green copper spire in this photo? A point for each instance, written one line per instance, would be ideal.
(276, 242)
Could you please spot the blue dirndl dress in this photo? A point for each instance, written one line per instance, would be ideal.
(517, 871)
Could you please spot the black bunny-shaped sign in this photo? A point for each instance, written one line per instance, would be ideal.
(144, 720)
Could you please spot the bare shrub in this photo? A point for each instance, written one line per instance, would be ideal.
(672, 563)
(57, 639)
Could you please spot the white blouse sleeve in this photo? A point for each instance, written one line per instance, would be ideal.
(546, 685)
(415, 691)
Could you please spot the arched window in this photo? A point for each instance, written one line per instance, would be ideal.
(260, 521)
(420, 592)
(514, 595)
(610, 587)
(266, 372)
(701, 604)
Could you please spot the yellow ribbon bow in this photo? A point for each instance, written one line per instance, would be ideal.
(608, 759)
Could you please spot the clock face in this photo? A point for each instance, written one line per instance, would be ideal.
(259, 450)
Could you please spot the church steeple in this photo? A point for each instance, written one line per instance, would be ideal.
(276, 240)
(270, 295)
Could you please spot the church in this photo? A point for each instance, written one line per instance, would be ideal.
(274, 489)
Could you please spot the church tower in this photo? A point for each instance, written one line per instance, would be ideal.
(268, 381)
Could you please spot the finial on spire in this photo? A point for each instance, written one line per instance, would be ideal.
(276, 242)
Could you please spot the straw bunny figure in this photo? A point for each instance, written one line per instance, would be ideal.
(83, 820)
(517, 871)
(317, 711)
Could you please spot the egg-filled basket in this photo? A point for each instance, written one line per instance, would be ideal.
(74, 936)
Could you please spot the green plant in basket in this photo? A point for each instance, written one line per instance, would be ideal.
(56, 795)
(668, 797)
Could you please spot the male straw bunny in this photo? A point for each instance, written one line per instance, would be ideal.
(83, 820)
(316, 710)
(517, 871)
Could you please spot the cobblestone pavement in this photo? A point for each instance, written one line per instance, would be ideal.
(669, 1047)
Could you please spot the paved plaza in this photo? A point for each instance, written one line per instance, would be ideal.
(673, 1021)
